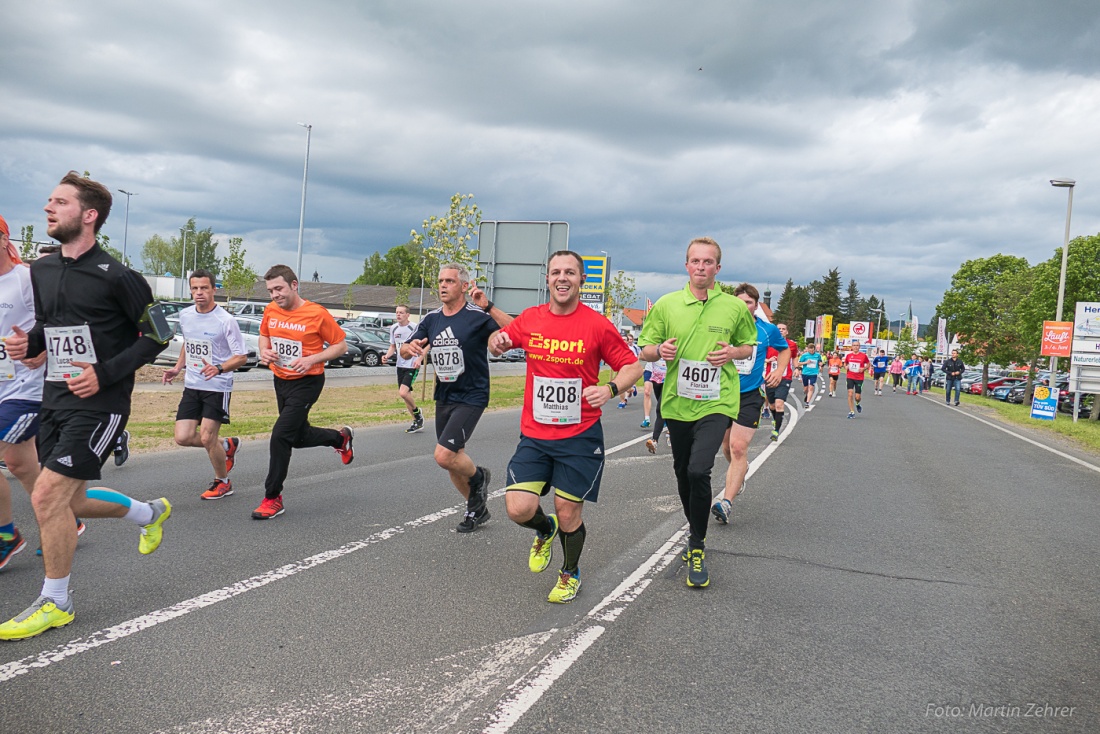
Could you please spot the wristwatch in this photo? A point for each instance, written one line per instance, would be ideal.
(614, 388)
(220, 370)
(488, 307)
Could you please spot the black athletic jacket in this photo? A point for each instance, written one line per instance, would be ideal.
(953, 368)
(97, 290)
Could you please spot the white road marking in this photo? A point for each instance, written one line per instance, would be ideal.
(16, 668)
(529, 688)
(1044, 447)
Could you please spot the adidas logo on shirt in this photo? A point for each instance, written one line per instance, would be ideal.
(597, 452)
(446, 338)
(104, 267)
(66, 460)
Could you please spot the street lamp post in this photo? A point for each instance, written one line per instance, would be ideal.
(126, 227)
(305, 180)
(878, 329)
(183, 258)
(1062, 183)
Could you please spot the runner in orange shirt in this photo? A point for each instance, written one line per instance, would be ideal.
(297, 337)
(835, 363)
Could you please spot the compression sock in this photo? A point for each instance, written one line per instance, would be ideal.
(778, 420)
(58, 591)
(572, 544)
(7, 532)
(540, 523)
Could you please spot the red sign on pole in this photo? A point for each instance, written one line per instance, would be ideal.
(1057, 339)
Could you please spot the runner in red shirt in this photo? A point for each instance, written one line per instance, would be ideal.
(856, 363)
(561, 441)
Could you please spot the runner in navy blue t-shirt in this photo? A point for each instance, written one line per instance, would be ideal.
(458, 336)
(879, 366)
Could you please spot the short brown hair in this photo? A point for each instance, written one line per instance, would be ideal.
(706, 241)
(281, 271)
(202, 273)
(749, 290)
(91, 195)
(568, 253)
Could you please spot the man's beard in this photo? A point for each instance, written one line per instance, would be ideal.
(65, 234)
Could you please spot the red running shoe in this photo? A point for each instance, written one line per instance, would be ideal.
(232, 445)
(345, 450)
(218, 489)
(268, 509)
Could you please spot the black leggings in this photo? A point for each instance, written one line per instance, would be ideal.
(292, 429)
(694, 445)
(658, 421)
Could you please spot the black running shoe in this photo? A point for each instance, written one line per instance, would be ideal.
(471, 520)
(122, 449)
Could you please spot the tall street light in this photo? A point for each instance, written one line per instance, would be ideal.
(126, 227)
(183, 259)
(878, 329)
(1062, 183)
(305, 180)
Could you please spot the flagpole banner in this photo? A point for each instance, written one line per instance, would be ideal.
(941, 337)
(810, 328)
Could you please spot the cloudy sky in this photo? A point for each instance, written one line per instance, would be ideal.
(892, 140)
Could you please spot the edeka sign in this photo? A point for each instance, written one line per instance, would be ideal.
(1045, 405)
(1057, 338)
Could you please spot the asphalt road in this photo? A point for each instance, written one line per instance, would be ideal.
(884, 574)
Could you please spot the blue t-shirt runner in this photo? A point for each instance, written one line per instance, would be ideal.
(810, 363)
(751, 369)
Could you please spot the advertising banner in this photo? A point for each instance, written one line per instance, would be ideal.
(860, 330)
(1057, 338)
(827, 324)
(941, 336)
(1045, 405)
(1086, 320)
(843, 332)
(810, 324)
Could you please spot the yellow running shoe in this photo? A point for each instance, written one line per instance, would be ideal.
(36, 619)
(566, 589)
(542, 550)
(152, 533)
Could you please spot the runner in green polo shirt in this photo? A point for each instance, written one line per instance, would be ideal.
(698, 331)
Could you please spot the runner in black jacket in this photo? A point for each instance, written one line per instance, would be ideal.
(97, 323)
(953, 370)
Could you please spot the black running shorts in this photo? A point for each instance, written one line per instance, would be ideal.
(752, 401)
(407, 376)
(455, 423)
(572, 466)
(76, 443)
(856, 385)
(202, 404)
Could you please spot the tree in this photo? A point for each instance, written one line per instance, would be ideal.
(349, 299)
(826, 300)
(163, 256)
(446, 239)
(238, 278)
(159, 256)
(620, 293)
(905, 344)
(849, 305)
(400, 264)
(980, 305)
(27, 250)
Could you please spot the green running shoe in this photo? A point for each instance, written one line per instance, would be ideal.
(152, 533)
(566, 589)
(43, 615)
(542, 550)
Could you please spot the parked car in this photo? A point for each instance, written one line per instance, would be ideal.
(994, 382)
(349, 358)
(1065, 404)
(171, 308)
(369, 345)
(1002, 392)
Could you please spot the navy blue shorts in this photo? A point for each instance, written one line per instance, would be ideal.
(19, 420)
(572, 467)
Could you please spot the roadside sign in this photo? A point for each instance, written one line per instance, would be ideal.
(1045, 404)
(1057, 338)
(860, 330)
(843, 331)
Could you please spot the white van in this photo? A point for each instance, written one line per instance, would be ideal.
(246, 308)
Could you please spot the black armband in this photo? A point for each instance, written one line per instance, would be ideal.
(155, 325)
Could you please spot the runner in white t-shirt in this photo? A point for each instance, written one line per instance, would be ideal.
(20, 392)
(213, 348)
(407, 368)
